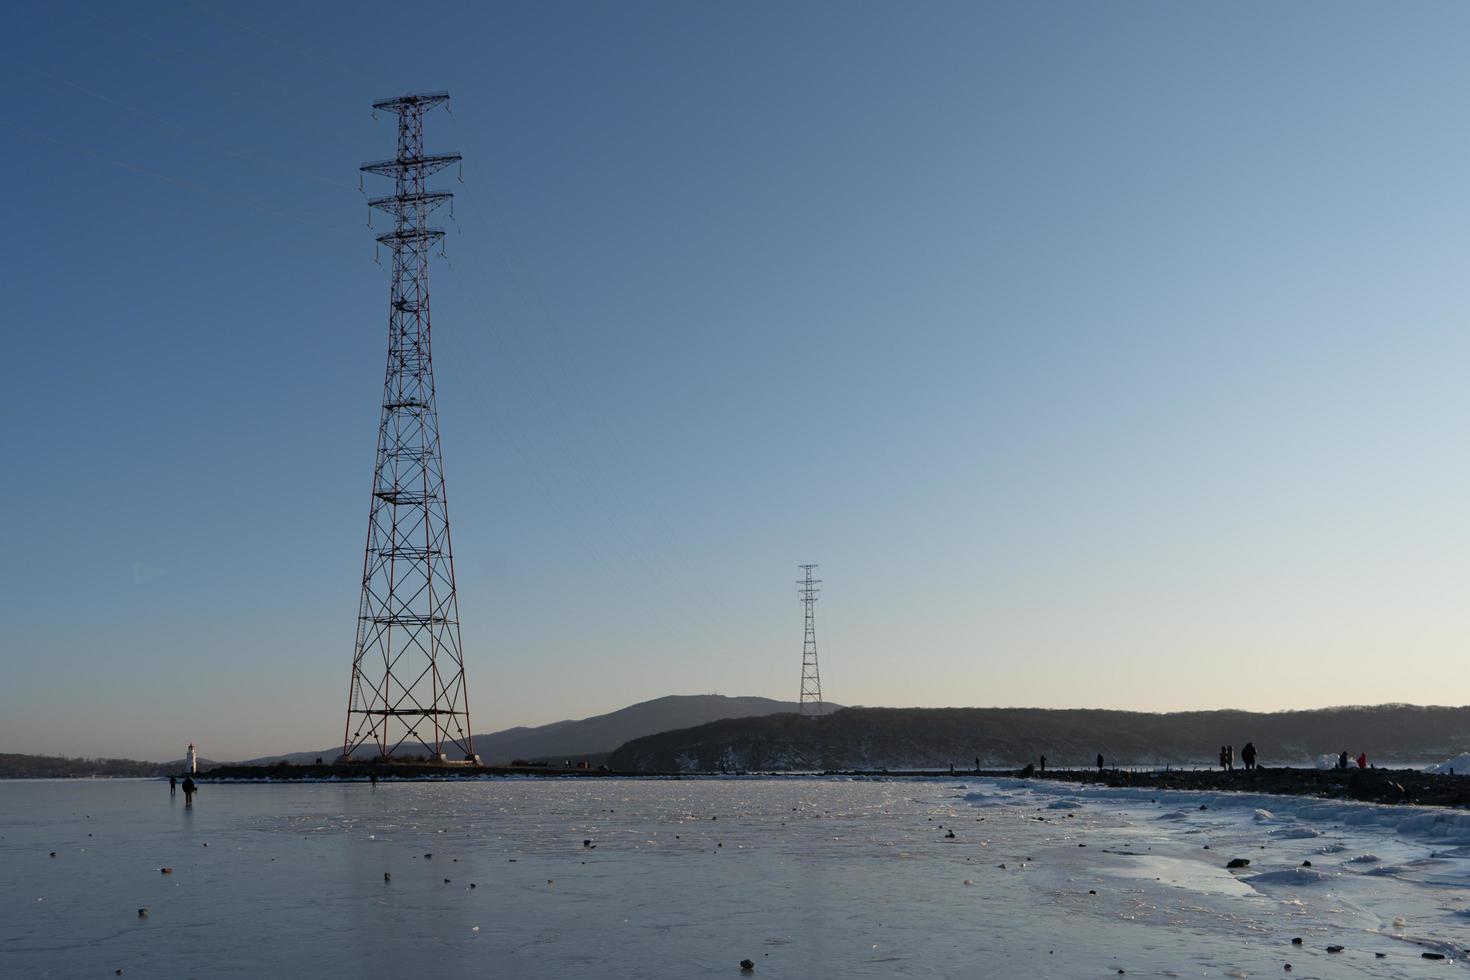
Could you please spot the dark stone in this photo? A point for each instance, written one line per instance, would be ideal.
(1306, 864)
(1092, 891)
(1432, 956)
(143, 912)
(1334, 949)
(746, 966)
(1297, 941)
(1238, 863)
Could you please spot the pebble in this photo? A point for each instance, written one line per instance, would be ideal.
(1432, 956)
(1238, 863)
(165, 871)
(1297, 941)
(143, 912)
(472, 884)
(746, 966)
(1287, 968)
(1306, 864)
(1334, 949)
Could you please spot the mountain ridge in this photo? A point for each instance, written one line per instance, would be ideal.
(591, 739)
(903, 738)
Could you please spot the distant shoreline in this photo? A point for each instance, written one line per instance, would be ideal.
(1390, 786)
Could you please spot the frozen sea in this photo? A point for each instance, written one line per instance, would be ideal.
(808, 877)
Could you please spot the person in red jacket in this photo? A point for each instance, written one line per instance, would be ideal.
(1363, 761)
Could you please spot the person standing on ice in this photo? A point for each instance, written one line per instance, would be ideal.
(1342, 760)
(1224, 758)
(1043, 765)
(1230, 757)
(189, 788)
(1363, 760)
(1248, 755)
(1099, 762)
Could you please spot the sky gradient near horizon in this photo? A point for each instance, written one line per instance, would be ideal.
(1102, 355)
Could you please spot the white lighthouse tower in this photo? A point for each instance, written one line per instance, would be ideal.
(192, 759)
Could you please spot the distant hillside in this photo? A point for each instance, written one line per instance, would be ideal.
(899, 738)
(592, 738)
(14, 766)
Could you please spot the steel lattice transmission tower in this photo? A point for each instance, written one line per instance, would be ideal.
(408, 685)
(811, 679)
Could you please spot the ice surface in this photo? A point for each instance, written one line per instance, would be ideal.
(809, 877)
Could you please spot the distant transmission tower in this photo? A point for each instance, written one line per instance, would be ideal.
(811, 679)
(408, 685)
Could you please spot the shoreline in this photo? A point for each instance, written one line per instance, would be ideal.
(1386, 786)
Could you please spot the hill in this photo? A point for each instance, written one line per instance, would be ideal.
(591, 739)
(16, 766)
(901, 738)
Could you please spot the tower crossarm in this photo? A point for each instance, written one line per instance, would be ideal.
(420, 101)
(403, 236)
(423, 165)
(411, 205)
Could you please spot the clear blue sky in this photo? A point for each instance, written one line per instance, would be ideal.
(1102, 354)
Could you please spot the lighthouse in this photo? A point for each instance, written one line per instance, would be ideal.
(191, 761)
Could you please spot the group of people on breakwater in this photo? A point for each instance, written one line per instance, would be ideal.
(1247, 756)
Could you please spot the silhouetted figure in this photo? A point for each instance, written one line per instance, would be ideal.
(1342, 760)
(977, 764)
(373, 778)
(1099, 762)
(173, 785)
(1230, 757)
(1248, 755)
(189, 789)
(1043, 763)
(1363, 761)
(951, 768)
(1224, 758)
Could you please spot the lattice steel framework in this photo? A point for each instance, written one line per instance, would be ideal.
(811, 679)
(408, 686)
